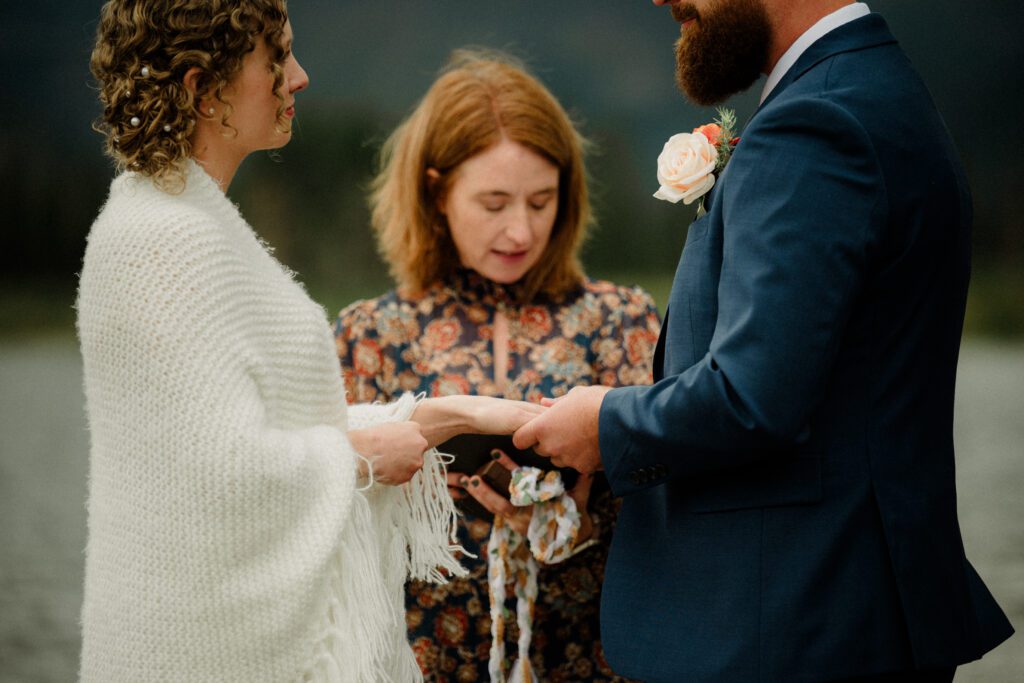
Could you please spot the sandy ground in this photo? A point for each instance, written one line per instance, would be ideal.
(43, 464)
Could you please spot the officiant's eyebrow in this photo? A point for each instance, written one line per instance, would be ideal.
(502, 193)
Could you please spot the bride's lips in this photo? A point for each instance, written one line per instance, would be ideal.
(290, 111)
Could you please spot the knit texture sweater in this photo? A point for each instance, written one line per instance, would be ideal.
(228, 536)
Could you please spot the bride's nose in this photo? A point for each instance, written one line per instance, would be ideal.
(298, 79)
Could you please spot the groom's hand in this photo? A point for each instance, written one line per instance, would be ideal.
(567, 431)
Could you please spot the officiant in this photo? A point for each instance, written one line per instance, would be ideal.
(480, 207)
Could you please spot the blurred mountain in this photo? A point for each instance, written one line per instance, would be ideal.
(609, 62)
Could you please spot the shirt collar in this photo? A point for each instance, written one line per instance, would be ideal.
(826, 24)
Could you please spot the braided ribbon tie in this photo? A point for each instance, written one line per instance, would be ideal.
(554, 527)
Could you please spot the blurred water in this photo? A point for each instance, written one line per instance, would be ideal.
(43, 465)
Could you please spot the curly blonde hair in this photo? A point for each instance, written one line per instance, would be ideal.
(480, 98)
(143, 50)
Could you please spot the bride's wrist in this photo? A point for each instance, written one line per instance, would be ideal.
(441, 418)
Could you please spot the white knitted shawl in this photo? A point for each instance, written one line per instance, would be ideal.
(227, 538)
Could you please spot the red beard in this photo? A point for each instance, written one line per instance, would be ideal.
(723, 50)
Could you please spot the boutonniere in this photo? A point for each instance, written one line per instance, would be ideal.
(690, 162)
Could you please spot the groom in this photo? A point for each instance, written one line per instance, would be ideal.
(789, 502)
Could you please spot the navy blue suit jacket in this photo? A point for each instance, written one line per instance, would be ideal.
(789, 506)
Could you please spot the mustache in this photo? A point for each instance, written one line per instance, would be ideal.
(684, 12)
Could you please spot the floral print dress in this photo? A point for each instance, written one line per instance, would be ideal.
(439, 342)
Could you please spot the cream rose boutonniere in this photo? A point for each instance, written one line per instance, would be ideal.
(690, 162)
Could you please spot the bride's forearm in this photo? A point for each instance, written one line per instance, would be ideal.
(443, 417)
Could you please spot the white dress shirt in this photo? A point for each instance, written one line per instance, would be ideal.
(826, 24)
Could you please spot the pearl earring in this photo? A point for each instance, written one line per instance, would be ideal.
(212, 111)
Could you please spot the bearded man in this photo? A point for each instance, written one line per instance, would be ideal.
(789, 499)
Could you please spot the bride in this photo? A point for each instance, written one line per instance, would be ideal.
(242, 525)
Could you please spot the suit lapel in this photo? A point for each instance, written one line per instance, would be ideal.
(859, 34)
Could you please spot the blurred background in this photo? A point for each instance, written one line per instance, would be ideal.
(611, 64)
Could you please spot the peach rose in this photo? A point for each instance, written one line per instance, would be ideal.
(686, 168)
(712, 131)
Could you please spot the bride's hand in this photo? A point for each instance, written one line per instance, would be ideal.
(443, 417)
(395, 450)
(501, 416)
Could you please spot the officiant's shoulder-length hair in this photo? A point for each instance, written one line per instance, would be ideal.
(480, 98)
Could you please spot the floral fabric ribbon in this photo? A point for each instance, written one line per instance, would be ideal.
(554, 528)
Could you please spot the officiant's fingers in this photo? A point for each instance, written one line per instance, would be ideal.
(503, 460)
(580, 491)
(455, 485)
(492, 500)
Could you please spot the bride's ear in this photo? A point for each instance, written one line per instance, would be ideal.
(191, 83)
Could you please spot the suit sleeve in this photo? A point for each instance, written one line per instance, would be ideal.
(802, 195)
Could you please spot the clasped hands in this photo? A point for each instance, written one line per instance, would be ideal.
(563, 429)
(396, 449)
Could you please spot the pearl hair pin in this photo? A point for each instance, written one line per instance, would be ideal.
(167, 128)
(135, 121)
(145, 72)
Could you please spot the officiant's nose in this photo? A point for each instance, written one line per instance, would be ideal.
(518, 227)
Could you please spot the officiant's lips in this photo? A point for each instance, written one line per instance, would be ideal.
(511, 256)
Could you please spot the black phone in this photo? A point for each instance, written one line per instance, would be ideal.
(497, 476)
(472, 453)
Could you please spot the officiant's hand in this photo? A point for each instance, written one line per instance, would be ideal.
(394, 449)
(567, 432)
(516, 517)
(443, 417)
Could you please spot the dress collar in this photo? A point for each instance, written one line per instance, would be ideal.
(473, 287)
